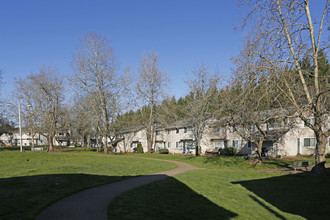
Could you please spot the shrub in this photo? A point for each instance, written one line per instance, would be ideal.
(229, 151)
(327, 155)
(163, 151)
(139, 149)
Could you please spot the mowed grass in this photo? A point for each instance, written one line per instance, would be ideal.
(31, 181)
(209, 194)
(221, 162)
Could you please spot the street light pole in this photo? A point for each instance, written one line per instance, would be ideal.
(20, 126)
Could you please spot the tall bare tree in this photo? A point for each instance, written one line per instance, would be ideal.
(95, 77)
(202, 99)
(28, 95)
(42, 95)
(283, 32)
(147, 91)
(252, 107)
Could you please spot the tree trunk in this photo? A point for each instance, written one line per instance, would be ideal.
(150, 141)
(321, 144)
(197, 148)
(88, 141)
(32, 138)
(259, 150)
(51, 144)
(105, 146)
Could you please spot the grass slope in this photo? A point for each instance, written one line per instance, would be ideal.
(31, 181)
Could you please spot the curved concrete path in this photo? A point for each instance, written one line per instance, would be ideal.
(93, 203)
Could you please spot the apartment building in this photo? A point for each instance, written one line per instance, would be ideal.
(178, 137)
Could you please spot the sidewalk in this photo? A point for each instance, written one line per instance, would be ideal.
(93, 203)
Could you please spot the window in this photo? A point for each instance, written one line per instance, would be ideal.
(235, 144)
(157, 132)
(253, 127)
(169, 131)
(186, 130)
(309, 142)
(189, 145)
(61, 134)
(135, 133)
(168, 145)
(160, 145)
(310, 121)
(249, 144)
(177, 130)
(219, 144)
(177, 145)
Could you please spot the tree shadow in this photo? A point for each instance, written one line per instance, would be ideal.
(165, 199)
(299, 194)
(24, 197)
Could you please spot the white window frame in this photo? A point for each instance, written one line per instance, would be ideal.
(309, 142)
(177, 145)
(169, 145)
(234, 143)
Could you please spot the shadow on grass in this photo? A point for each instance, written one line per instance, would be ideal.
(165, 199)
(24, 197)
(299, 194)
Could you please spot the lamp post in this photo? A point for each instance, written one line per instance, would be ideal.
(19, 125)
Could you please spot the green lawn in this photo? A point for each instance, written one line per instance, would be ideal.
(207, 194)
(30, 181)
(220, 162)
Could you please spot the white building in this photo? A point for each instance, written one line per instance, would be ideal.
(178, 138)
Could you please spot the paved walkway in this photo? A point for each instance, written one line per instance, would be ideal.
(93, 203)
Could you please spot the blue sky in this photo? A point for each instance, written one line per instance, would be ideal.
(185, 33)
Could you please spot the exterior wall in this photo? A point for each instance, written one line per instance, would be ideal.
(130, 141)
(225, 135)
(175, 139)
(39, 139)
(292, 143)
(218, 137)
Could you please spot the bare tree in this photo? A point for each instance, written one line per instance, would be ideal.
(43, 96)
(253, 108)
(28, 94)
(83, 122)
(95, 78)
(284, 32)
(201, 100)
(147, 91)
